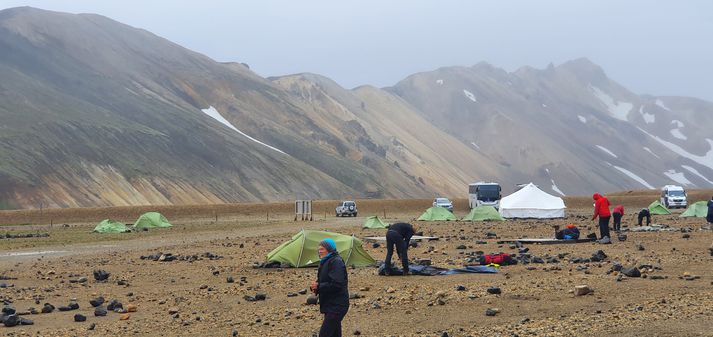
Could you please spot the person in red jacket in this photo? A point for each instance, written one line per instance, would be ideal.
(601, 210)
(617, 214)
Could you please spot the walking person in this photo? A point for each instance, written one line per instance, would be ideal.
(617, 214)
(601, 210)
(332, 288)
(398, 235)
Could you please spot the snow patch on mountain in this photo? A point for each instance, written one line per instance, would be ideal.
(582, 119)
(705, 160)
(652, 152)
(694, 171)
(677, 131)
(678, 177)
(212, 112)
(476, 145)
(618, 110)
(634, 176)
(556, 189)
(469, 95)
(648, 118)
(607, 151)
(439, 82)
(659, 102)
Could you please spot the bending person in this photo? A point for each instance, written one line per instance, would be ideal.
(398, 235)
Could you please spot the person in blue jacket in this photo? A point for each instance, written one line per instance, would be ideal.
(332, 288)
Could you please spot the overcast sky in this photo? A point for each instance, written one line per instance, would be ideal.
(654, 47)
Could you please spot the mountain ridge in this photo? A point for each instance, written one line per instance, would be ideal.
(119, 118)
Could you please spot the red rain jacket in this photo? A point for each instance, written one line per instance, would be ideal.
(618, 209)
(601, 206)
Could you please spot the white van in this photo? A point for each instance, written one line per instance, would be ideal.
(673, 196)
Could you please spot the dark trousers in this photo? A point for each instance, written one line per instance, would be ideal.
(393, 238)
(617, 221)
(604, 226)
(332, 325)
(648, 219)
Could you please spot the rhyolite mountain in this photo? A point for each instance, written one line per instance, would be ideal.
(97, 113)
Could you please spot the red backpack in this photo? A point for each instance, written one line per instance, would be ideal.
(502, 259)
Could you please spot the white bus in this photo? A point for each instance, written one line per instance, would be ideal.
(482, 193)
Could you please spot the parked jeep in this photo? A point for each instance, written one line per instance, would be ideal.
(347, 208)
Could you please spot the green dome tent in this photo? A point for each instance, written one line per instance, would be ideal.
(374, 222)
(483, 213)
(656, 208)
(152, 220)
(698, 209)
(111, 226)
(301, 250)
(436, 214)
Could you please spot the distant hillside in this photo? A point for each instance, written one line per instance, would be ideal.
(97, 113)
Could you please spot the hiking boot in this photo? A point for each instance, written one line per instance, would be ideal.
(605, 240)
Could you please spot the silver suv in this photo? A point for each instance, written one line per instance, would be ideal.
(347, 208)
(443, 202)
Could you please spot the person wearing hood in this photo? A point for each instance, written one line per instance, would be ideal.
(332, 288)
(601, 210)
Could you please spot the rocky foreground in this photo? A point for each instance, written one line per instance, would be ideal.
(656, 283)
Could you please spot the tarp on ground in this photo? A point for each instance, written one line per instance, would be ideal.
(656, 208)
(483, 213)
(374, 222)
(152, 220)
(698, 209)
(111, 226)
(301, 250)
(532, 202)
(437, 214)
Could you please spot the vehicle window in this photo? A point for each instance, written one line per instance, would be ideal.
(676, 193)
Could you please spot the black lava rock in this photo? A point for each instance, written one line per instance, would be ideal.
(631, 272)
(460, 288)
(47, 308)
(80, 318)
(7, 311)
(599, 256)
(11, 320)
(99, 311)
(260, 297)
(490, 312)
(101, 275)
(97, 301)
(230, 279)
(312, 300)
(113, 305)
(494, 290)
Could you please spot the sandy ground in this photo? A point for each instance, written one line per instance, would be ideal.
(536, 299)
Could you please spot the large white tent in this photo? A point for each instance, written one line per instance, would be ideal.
(532, 202)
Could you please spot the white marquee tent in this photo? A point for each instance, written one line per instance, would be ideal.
(532, 202)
